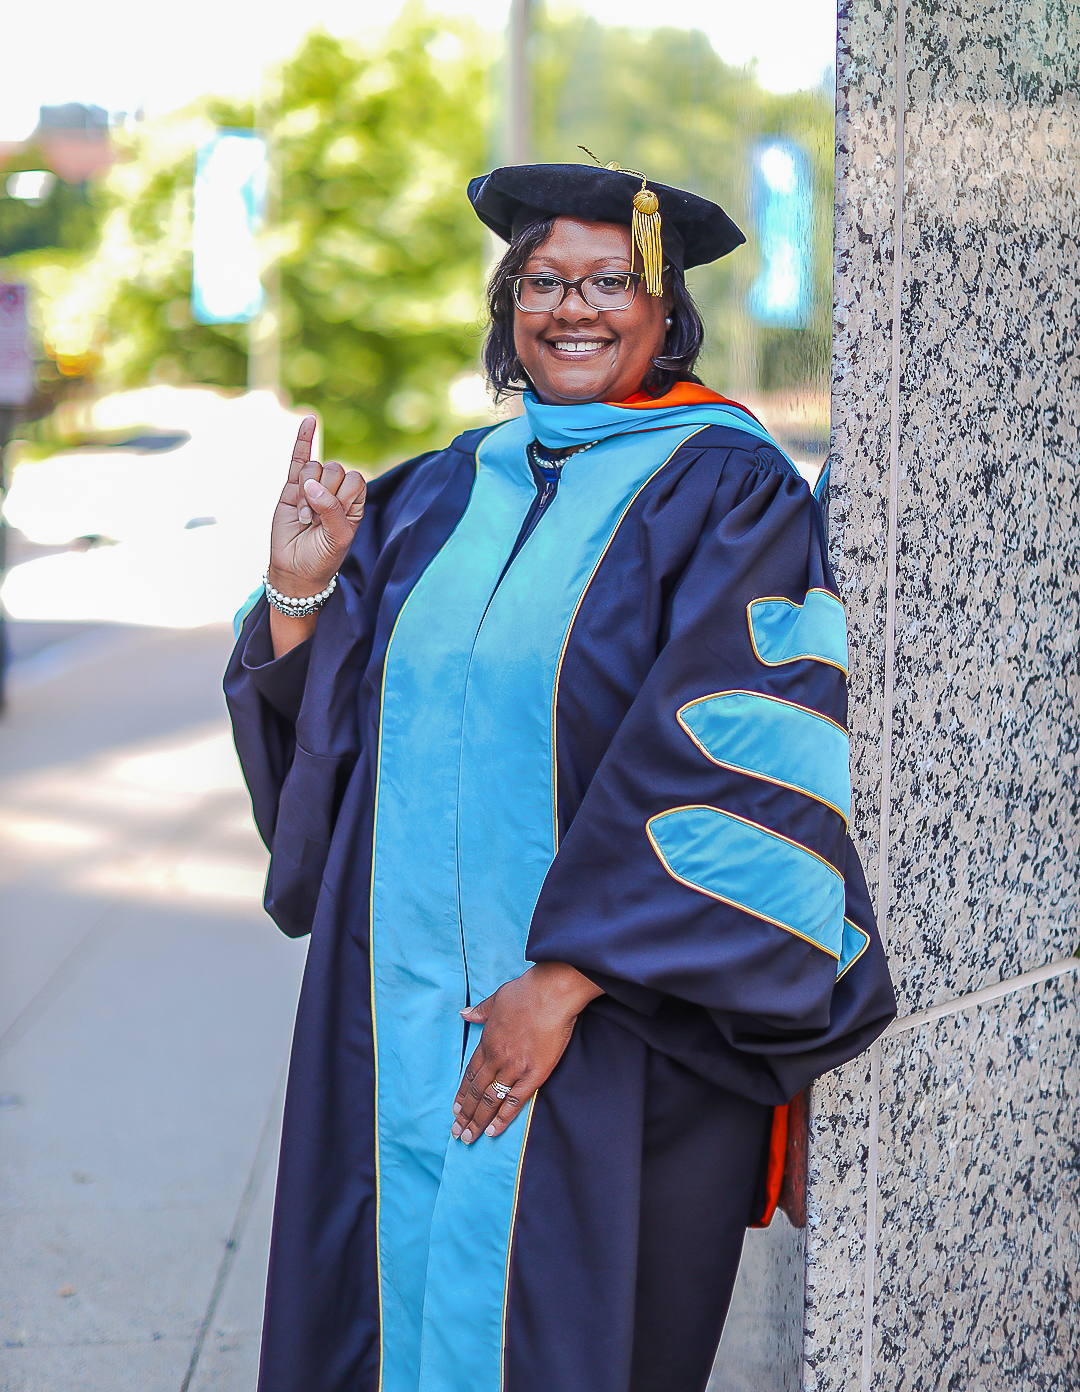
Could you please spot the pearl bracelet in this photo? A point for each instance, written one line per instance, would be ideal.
(293, 607)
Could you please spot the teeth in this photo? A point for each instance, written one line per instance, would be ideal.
(574, 346)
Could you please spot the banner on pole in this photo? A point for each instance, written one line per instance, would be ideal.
(781, 202)
(230, 206)
(16, 364)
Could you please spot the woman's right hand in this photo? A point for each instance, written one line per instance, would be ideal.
(315, 520)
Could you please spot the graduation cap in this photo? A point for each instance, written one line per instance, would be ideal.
(688, 230)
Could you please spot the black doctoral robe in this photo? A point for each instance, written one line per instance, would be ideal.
(646, 1148)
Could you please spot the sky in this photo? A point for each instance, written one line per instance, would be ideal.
(127, 54)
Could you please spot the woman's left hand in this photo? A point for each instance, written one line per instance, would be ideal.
(527, 1025)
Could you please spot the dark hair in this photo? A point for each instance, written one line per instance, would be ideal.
(682, 343)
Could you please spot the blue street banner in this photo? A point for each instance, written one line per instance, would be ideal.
(230, 206)
(782, 210)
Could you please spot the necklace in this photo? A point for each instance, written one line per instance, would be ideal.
(549, 457)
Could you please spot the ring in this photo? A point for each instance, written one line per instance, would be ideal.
(501, 1091)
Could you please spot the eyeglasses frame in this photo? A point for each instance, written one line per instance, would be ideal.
(569, 285)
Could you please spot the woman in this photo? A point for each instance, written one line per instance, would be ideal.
(546, 737)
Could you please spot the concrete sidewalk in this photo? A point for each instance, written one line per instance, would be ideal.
(146, 1004)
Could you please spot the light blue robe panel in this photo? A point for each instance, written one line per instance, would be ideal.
(856, 941)
(464, 836)
(752, 868)
(561, 427)
(769, 738)
(245, 609)
(782, 631)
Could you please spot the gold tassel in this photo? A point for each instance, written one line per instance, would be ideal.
(644, 227)
(645, 231)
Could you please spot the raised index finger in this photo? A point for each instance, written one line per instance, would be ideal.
(302, 449)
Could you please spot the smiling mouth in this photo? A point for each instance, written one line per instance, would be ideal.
(580, 347)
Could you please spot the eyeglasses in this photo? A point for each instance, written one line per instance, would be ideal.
(536, 294)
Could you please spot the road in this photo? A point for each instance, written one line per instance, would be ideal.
(146, 1004)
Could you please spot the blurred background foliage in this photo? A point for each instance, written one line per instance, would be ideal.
(378, 257)
(67, 218)
(376, 250)
(666, 104)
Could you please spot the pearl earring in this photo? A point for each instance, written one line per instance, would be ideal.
(669, 321)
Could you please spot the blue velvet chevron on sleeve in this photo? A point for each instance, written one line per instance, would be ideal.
(705, 878)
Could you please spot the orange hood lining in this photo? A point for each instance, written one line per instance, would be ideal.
(681, 394)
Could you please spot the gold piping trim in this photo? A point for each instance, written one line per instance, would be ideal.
(510, 1243)
(573, 620)
(371, 938)
(795, 657)
(866, 944)
(753, 773)
(371, 970)
(722, 898)
(532, 1100)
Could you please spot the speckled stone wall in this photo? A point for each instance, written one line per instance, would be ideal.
(978, 1253)
(864, 233)
(943, 1242)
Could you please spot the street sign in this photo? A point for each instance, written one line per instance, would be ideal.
(16, 364)
(230, 205)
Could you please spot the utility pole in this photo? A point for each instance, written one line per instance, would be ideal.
(16, 390)
(264, 328)
(8, 418)
(520, 89)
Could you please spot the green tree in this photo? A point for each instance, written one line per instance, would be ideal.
(66, 217)
(381, 256)
(376, 250)
(45, 239)
(378, 256)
